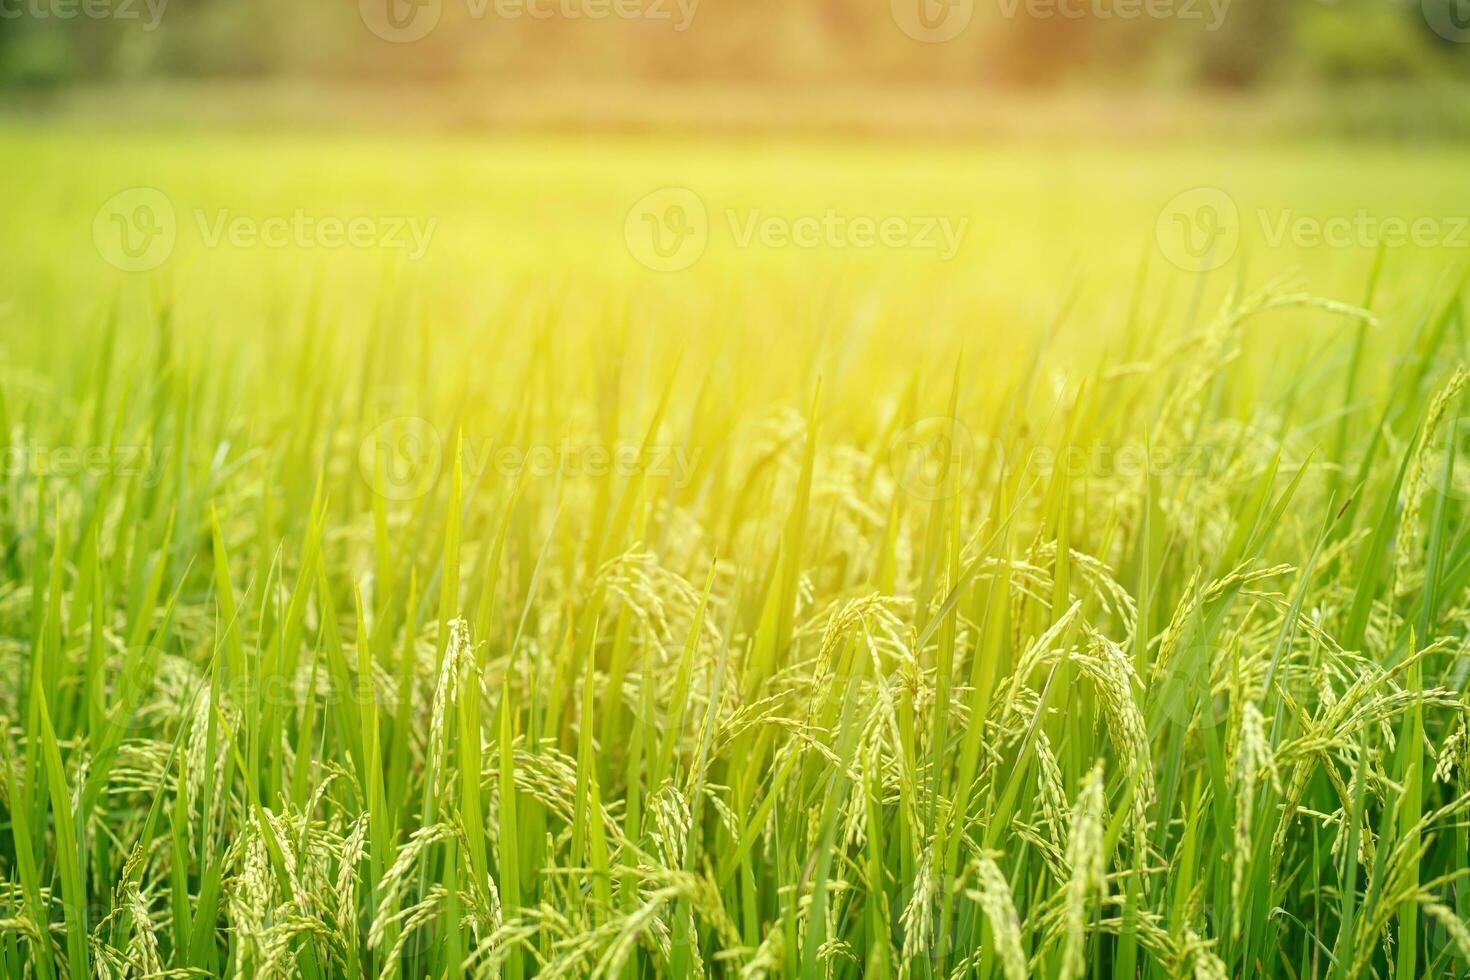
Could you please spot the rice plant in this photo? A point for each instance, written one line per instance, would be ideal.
(585, 640)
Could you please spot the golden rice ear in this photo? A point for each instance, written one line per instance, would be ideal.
(994, 896)
(1423, 475)
(1088, 862)
(1081, 626)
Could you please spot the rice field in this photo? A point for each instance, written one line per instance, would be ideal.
(532, 557)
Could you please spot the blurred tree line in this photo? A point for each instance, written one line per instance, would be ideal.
(1209, 43)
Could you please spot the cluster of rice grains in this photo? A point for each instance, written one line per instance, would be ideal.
(884, 680)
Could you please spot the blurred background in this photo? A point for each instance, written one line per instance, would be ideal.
(1392, 67)
(1093, 158)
